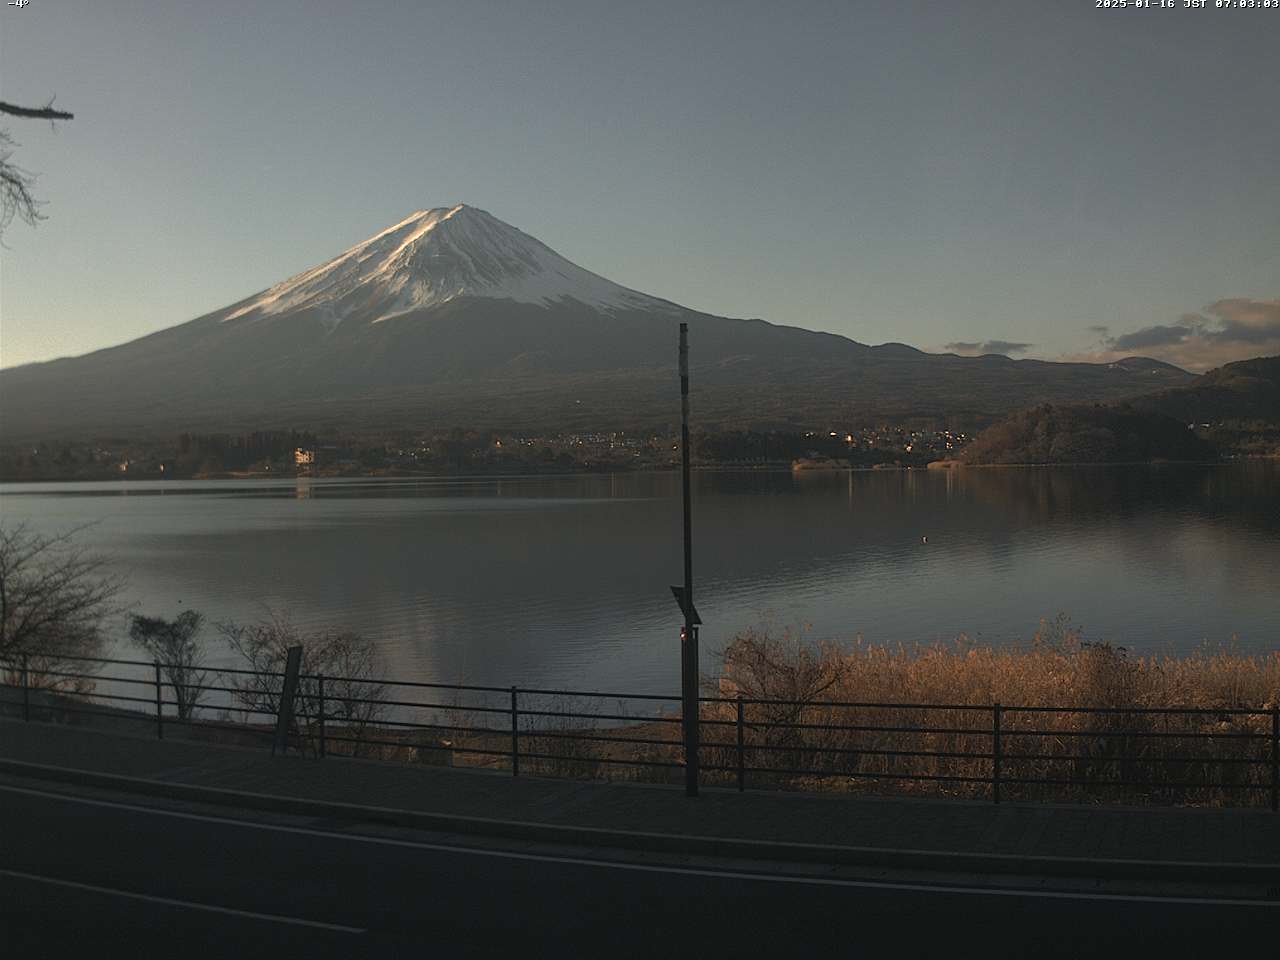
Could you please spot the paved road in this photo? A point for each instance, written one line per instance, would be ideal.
(957, 827)
(126, 876)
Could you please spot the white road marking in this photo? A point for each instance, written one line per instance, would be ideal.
(185, 904)
(650, 868)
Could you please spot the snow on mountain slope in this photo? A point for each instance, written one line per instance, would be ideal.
(496, 329)
(435, 256)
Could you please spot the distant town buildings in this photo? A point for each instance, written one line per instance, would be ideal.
(285, 452)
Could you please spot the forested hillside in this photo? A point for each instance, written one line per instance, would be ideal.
(1087, 434)
(1245, 390)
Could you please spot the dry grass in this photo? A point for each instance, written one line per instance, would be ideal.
(1056, 667)
(861, 717)
(1164, 757)
(848, 717)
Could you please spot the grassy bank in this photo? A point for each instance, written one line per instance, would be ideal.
(849, 717)
(1056, 666)
(1162, 757)
(867, 718)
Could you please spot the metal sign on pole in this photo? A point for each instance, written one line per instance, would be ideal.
(284, 713)
(678, 593)
(689, 635)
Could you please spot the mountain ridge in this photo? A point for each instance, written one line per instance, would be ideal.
(1242, 390)
(454, 316)
(1233, 409)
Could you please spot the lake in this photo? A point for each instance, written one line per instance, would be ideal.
(563, 581)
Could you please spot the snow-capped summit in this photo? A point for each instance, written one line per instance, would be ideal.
(454, 317)
(435, 256)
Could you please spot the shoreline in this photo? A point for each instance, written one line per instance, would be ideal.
(772, 467)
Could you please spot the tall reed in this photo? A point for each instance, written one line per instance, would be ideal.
(920, 718)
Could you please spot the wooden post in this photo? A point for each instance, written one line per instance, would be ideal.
(284, 712)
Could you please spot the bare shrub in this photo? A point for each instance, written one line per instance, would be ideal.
(761, 666)
(783, 679)
(347, 662)
(555, 746)
(173, 644)
(883, 738)
(54, 599)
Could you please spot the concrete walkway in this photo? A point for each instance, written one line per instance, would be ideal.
(1083, 840)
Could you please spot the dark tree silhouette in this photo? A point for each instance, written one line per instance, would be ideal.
(36, 113)
(54, 598)
(173, 645)
(348, 662)
(16, 198)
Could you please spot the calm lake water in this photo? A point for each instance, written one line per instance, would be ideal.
(564, 580)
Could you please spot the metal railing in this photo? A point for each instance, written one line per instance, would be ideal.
(996, 751)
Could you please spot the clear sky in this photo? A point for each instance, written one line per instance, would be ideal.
(1041, 176)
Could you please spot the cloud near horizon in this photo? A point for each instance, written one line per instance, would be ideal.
(1236, 328)
(977, 348)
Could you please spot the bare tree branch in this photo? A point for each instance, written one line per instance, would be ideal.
(54, 597)
(348, 662)
(36, 113)
(174, 646)
(16, 198)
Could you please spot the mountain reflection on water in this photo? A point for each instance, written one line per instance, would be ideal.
(564, 580)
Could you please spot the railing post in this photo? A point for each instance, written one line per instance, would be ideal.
(288, 697)
(995, 753)
(515, 734)
(26, 690)
(159, 703)
(320, 709)
(1275, 759)
(742, 767)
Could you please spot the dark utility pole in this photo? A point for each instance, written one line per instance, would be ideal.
(688, 636)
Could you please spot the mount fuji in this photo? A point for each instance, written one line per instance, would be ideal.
(453, 317)
(433, 257)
